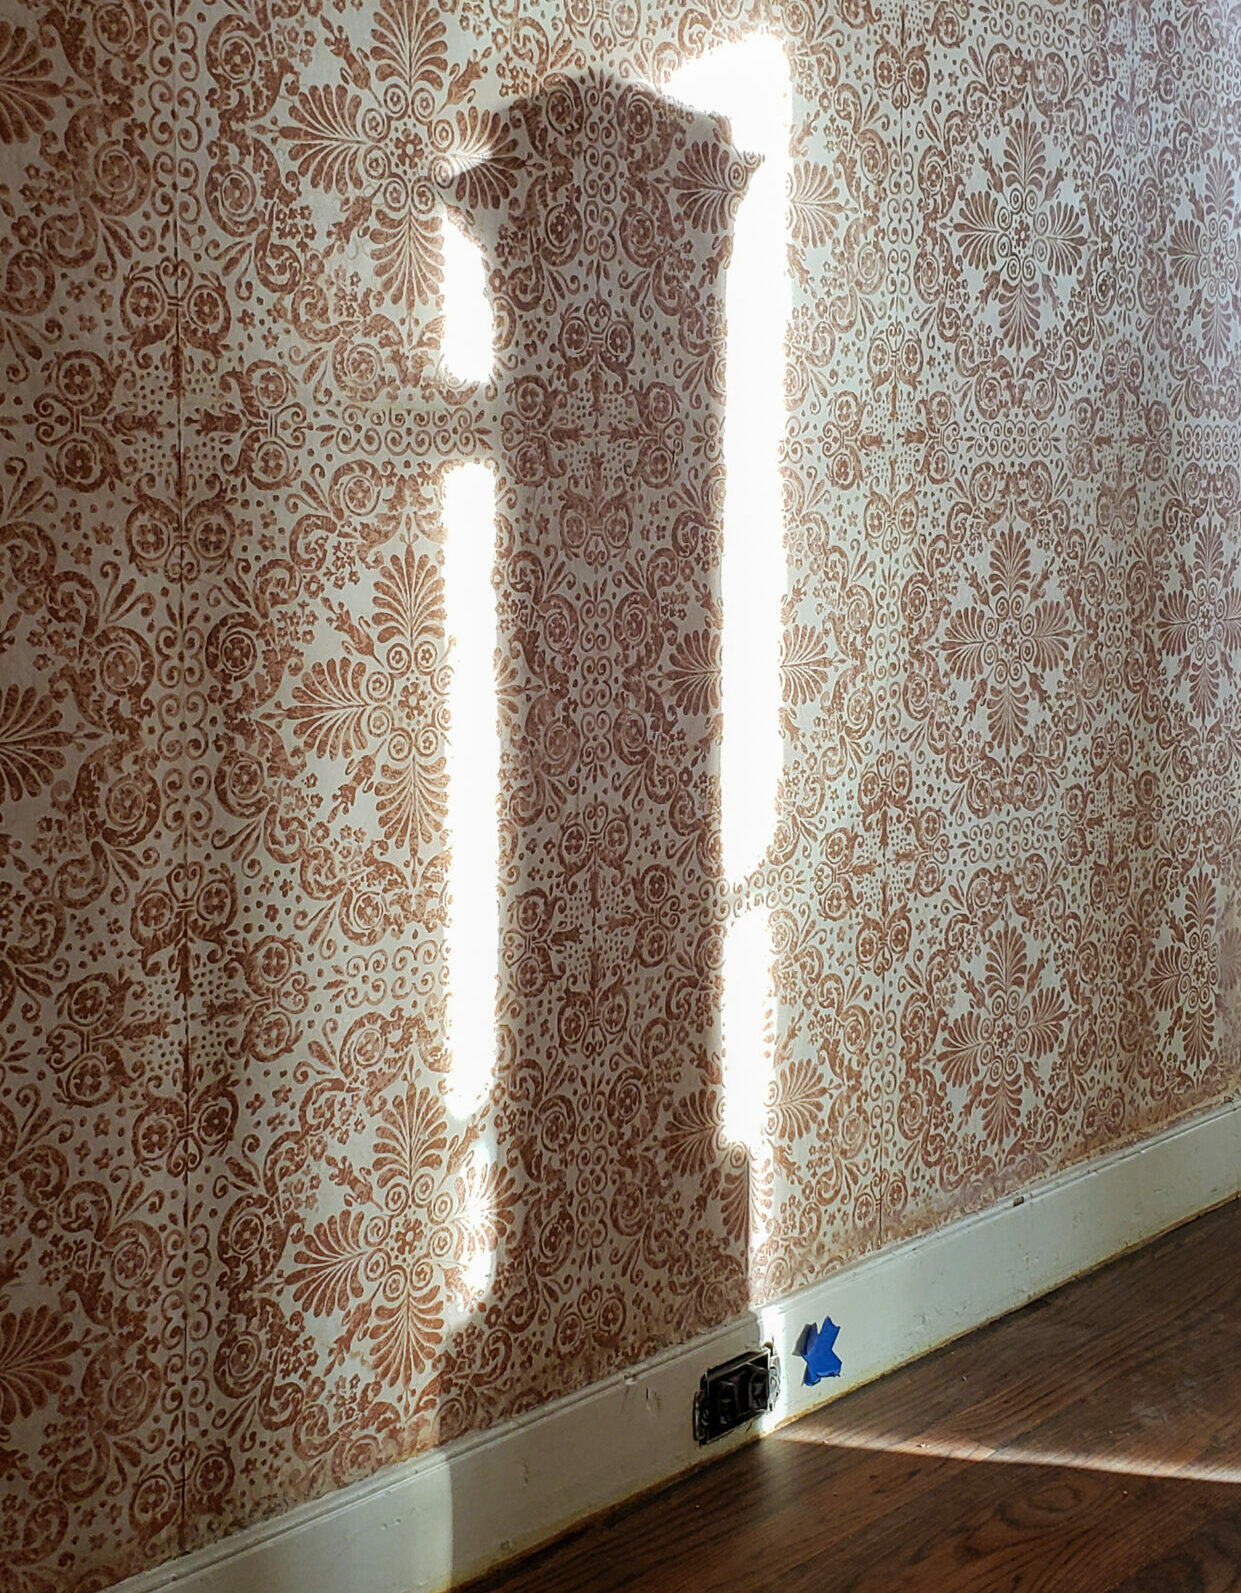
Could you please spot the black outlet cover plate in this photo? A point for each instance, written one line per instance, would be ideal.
(735, 1392)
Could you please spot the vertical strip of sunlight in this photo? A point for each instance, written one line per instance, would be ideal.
(473, 929)
(472, 932)
(748, 1023)
(468, 329)
(479, 1262)
(749, 83)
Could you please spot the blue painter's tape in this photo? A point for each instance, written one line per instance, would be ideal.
(817, 1348)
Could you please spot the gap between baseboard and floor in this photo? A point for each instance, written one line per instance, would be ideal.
(425, 1525)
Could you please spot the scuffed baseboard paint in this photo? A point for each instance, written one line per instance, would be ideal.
(424, 1525)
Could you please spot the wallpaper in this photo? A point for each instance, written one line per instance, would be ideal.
(392, 1036)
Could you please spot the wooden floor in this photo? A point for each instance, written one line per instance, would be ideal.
(1090, 1443)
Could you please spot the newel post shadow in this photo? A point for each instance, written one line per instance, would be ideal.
(604, 212)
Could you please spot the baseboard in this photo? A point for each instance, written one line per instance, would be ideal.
(424, 1525)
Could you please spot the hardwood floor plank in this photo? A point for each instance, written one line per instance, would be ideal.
(1207, 1562)
(1000, 1529)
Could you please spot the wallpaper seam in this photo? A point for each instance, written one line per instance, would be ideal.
(187, 757)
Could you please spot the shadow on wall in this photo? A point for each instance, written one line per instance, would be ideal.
(617, 1183)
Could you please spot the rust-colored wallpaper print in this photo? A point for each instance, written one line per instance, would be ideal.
(374, 949)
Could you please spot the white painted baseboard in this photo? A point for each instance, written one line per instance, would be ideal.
(424, 1525)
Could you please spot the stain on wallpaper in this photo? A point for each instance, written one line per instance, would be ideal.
(264, 1225)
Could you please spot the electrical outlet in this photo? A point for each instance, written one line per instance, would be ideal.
(735, 1392)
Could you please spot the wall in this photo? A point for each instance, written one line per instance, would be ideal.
(254, 1243)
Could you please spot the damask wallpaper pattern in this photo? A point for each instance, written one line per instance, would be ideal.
(253, 1243)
